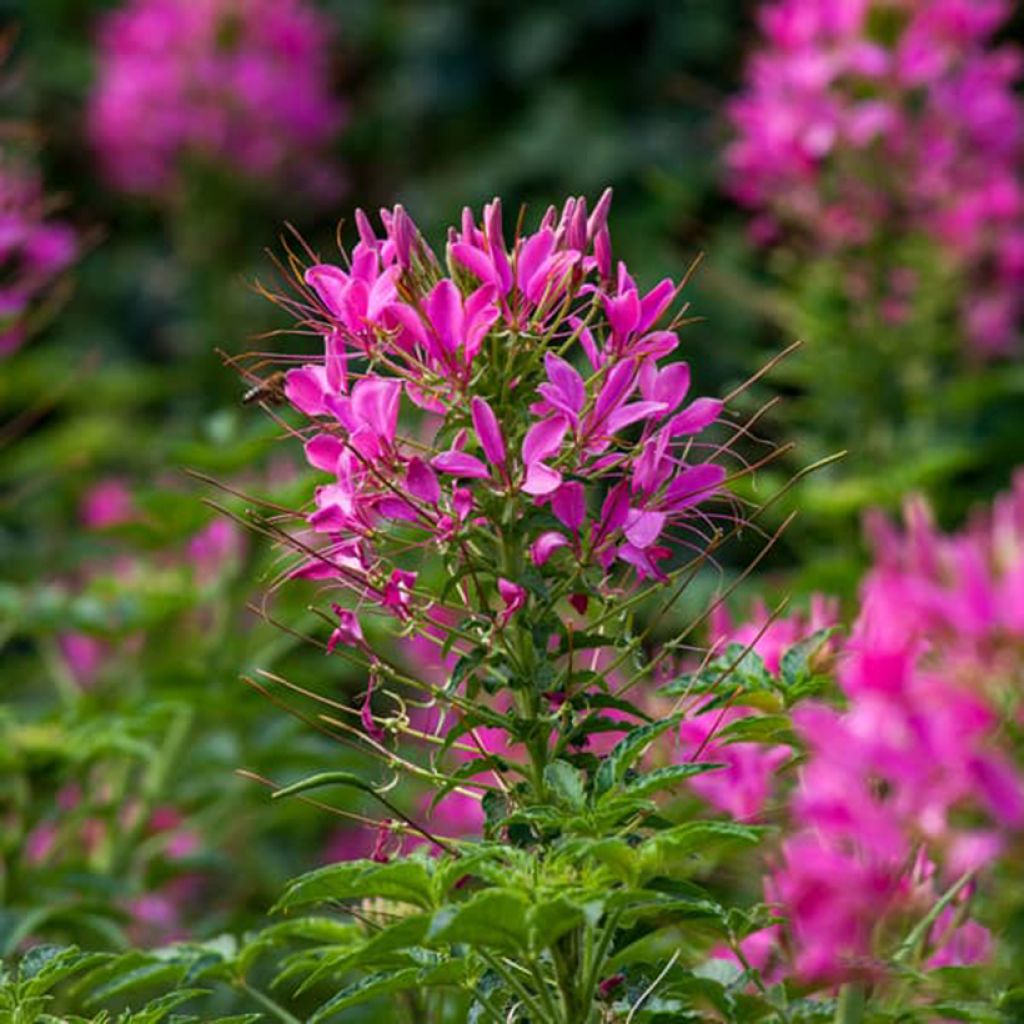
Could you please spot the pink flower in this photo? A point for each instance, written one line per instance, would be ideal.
(243, 87)
(107, 503)
(744, 784)
(348, 631)
(34, 250)
(848, 138)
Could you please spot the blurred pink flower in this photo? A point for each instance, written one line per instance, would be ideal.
(107, 503)
(868, 117)
(241, 84)
(34, 251)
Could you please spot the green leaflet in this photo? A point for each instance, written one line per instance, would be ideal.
(406, 881)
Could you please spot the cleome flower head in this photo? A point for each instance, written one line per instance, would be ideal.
(554, 449)
(243, 85)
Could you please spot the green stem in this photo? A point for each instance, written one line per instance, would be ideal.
(517, 987)
(600, 956)
(544, 989)
(268, 1004)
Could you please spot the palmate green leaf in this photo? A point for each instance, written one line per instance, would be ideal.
(669, 850)
(119, 977)
(487, 861)
(735, 667)
(158, 1009)
(591, 699)
(406, 881)
(495, 919)
(385, 983)
(629, 750)
(636, 905)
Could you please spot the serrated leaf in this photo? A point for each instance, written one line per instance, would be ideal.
(386, 982)
(668, 777)
(567, 783)
(759, 729)
(795, 665)
(549, 921)
(669, 848)
(495, 918)
(625, 753)
(406, 881)
(121, 981)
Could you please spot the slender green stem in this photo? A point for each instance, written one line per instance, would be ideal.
(486, 1003)
(920, 930)
(600, 956)
(517, 987)
(544, 989)
(268, 1004)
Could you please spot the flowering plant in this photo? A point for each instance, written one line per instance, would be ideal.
(516, 490)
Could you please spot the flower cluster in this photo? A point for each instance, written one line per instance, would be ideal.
(907, 792)
(872, 119)
(555, 455)
(34, 251)
(240, 85)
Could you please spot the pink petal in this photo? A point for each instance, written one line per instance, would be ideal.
(460, 464)
(693, 486)
(627, 414)
(546, 545)
(541, 479)
(305, 389)
(488, 431)
(476, 262)
(535, 250)
(569, 505)
(375, 402)
(329, 283)
(323, 452)
(695, 417)
(421, 482)
(567, 379)
(444, 307)
(642, 529)
(544, 439)
(655, 302)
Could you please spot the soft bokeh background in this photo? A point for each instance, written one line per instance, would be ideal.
(124, 640)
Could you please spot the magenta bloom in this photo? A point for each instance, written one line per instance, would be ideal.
(866, 120)
(243, 86)
(34, 251)
(912, 784)
(612, 421)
